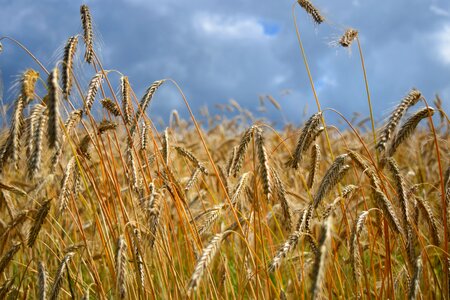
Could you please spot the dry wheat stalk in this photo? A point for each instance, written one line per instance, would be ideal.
(314, 166)
(348, 37)
(401, 191)
(94, 85)
(208, 254)
(321, 259)
(348, 191)
(67, 65)
(287, 247)
(39, 219)
(307, 134)
(311, 10)
(59, 276)
(53, 130)
(332, 177)
(243, 146)
(5, 288)
(87, 33)
(280, 191)
(121, 260)
(193, 179)
(145, 101)
(11, 147)
(425, 208)
(153, 215)
(34, 163)
(355, 256)
(12, 189)
(238, 188)
(144, 135)
(6, 259)
(106, 125)
(214, 215)
(411, 99)
(263, 163)
(414, 285)
(28, 85)
(231, 161)
(189, 155)
(127, 107)
(110, 106)
(408, 128)
(136, 241)
(42, 281)
(388, 211)
(165, 146)
(67, 184)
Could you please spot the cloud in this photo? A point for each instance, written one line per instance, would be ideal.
(232, 27)
(439, 11)
(443, 43)
(218, 49)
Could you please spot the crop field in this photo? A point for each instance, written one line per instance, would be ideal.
(112, 206)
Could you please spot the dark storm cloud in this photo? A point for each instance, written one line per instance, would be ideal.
(217, 50)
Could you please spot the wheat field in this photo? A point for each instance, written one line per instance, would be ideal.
(108, 206)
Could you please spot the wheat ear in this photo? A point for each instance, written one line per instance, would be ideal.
(39, 219)
(42, 281)
(53, 130)
(311, 10)
(87, 33)
(67, 66)
(94, 85)
(408, 128)
(121, 260)
(334, 174)
(243, 146)
(311, 127)
(414, 285)
(321, 260)
(6, 259)
(59, 276)
(208, 254)
(34, 163)
(411, 99)
(348, 37)
(263, 163)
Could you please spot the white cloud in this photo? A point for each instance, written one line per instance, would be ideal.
(443, 43)
(439, 11)
(229, 27)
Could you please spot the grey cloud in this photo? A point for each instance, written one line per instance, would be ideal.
(149, 40)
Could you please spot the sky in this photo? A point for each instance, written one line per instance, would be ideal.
(241, 49)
